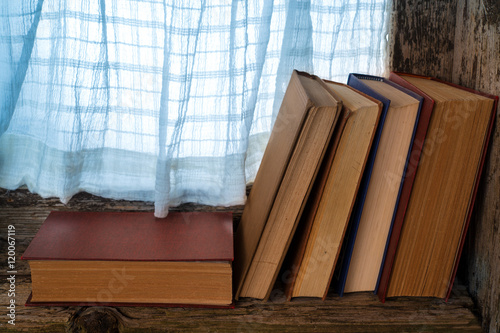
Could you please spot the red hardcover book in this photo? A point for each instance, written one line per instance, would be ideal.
(132, 258)
(435, 158)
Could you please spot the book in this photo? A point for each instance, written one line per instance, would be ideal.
(444, 189)
(340, 273)
(110, 258)
(325, 221)
(410, 172)
(368, 243)
(294, 256)
(277, 199)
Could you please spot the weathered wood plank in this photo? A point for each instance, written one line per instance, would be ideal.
(360, 312)
(422, 37)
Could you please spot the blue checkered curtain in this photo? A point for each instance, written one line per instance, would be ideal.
(164, 101)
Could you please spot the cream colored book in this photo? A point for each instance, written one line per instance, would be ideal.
(316, 264)
(298, 142)
(384, 186)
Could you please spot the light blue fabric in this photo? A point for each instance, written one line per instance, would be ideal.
(164, 101)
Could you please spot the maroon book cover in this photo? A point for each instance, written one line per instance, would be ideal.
(133, 236)
(420, 136)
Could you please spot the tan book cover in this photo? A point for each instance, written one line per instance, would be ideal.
(443, 192)
(315, 266)
(132, 259)
(277, 198)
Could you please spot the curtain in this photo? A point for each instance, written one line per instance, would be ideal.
(164, 101)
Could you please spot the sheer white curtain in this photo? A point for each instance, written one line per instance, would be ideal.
(164, 101)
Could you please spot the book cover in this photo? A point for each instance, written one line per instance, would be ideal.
(354, 80)
(294, 188)
(444, 189)
(29, 302)
(133, 236)
(114, 248)
(416, 150)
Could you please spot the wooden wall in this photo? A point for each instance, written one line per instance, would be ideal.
(459, 41)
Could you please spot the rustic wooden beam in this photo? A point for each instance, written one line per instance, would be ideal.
(358, 312)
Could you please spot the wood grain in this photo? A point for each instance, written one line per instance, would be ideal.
(359, 312)
(422, 37)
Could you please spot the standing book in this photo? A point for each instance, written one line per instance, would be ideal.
(340, 273)
(440, 206)
(410, 172)
(369, 240)
(298, 142)
(317, 248)
(125, 258)
(280, 146)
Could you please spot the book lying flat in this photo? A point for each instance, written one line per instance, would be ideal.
(370, 238)
(317, 248)
(446, 181)
(263, 250)
(132, 258)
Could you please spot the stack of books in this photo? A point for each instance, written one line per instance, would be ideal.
(365, 186)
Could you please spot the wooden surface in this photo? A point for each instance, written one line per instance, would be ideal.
(459, 41)
(421, 37)
(360, 312)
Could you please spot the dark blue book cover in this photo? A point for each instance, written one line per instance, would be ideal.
(354, 81)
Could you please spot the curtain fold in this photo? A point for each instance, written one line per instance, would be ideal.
(164, 101)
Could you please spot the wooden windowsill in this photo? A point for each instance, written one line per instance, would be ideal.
(358, 312)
